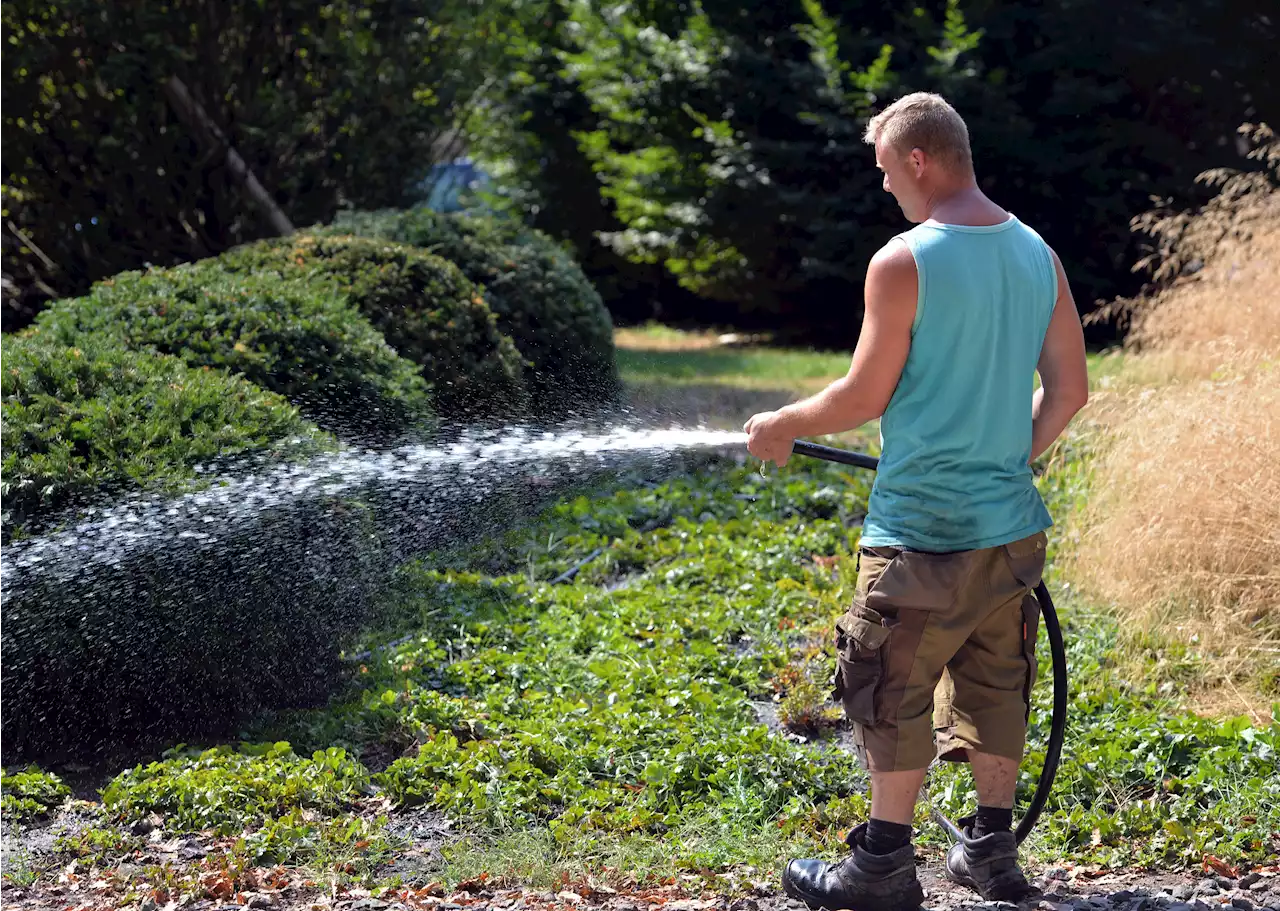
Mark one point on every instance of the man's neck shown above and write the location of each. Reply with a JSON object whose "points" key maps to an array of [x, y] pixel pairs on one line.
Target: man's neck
{"points": [[964, 204]]}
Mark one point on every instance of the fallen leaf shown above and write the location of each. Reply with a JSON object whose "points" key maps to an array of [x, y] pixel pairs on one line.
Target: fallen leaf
{"points": [[216, 884], [1219, 866], [474, 885]]}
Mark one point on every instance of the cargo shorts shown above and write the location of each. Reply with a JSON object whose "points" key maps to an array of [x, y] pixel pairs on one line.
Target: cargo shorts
{"points": [[936, 654]]}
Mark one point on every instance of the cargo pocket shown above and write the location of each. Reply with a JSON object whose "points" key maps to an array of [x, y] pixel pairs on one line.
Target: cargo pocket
{"points": [[1025, 558], [860, 638]]}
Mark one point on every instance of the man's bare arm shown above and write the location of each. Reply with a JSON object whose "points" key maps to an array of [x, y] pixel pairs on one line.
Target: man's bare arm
{"points": [[864, 392], [1064, 372]]}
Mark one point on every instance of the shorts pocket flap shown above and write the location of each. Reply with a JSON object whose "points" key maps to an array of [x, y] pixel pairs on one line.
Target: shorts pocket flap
{"points": [[1026, 559], [920, 581], [869, 636]]}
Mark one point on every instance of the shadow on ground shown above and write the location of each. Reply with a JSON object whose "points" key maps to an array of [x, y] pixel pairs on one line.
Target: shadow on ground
{"points": [[717, 405]]}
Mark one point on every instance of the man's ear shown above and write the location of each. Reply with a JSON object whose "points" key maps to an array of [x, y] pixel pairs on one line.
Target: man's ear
{"points": [[917, 159]]}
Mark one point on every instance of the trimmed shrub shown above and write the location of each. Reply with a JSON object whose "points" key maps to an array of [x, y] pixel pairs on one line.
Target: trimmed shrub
{"points": [[541, 297], [302, 340], [162, 617], [79, 422], [423, 227], [425, 307], [123, 633]]}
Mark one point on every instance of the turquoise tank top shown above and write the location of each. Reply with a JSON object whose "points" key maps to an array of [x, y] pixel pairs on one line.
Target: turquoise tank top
{"points": [[956, 436]]}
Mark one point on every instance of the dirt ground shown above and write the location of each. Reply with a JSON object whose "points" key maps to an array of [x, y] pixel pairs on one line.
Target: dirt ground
{"points": [[203, 883]]}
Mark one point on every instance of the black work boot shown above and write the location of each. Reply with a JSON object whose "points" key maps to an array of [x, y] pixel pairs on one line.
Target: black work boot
{"points": [[988, 865], [861, 881]]}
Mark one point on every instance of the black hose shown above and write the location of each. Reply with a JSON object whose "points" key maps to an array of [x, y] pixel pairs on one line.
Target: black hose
{"points": [[1057, 652], [831, 454]]}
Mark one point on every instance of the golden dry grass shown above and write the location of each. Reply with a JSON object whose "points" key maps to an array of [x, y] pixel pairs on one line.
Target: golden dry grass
{"points": [[1181, 533], [1224, 320], [1184, 514]]}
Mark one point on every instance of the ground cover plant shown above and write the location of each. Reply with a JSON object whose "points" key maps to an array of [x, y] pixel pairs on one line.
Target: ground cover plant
{"points": [[627, 719], [29, 793]]}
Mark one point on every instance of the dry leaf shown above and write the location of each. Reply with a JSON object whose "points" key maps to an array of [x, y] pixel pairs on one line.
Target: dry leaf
{"points": [[474, 885], [1219, 866]]}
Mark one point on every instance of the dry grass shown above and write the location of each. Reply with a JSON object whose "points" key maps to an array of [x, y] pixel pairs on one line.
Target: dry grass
{"points": [[1224, 320], [1182, 530], [1184, 515]]}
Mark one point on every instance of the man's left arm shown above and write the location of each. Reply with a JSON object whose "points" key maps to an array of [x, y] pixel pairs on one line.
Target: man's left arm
{"points": [[864, 392]]}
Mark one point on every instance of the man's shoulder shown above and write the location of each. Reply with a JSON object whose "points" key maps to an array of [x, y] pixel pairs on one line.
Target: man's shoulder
{"points": [[895, 258], [893, 268], [893, 285]]}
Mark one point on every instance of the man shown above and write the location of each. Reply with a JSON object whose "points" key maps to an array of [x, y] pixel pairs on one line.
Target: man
{"points": [[960, 313]]}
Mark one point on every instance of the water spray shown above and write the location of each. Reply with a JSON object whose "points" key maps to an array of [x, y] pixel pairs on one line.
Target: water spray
{"points": [[1058, 722]]}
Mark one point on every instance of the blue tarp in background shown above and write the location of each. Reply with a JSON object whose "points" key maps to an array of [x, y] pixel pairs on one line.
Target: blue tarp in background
{"points": [[445, 183]]}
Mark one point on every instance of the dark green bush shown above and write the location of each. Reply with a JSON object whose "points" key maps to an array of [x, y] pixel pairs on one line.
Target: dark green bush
{"points": [[300, 339], [84, 421], [167, 615], [425, 307], [541, 297], [423, 227], [125, 635]]}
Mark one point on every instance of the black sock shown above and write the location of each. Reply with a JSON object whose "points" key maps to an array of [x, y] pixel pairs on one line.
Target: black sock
{"points": [[886, 837], [992, 819]]}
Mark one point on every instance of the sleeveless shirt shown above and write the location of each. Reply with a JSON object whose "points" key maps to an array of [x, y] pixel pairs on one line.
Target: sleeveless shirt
{"points": [[956, 436]]}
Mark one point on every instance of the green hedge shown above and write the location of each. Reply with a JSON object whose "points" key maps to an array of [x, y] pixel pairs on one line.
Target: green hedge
{"points": [[542, 298], [186, 633], [174, 621], [79, 422], [425, 307], [300, 339]]}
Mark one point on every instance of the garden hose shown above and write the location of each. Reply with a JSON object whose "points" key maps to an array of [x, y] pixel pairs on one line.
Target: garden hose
{"points": [[1057, 651]]}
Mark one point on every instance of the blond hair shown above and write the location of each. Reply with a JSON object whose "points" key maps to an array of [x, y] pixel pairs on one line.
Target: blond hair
{"points": [[925, 121]]}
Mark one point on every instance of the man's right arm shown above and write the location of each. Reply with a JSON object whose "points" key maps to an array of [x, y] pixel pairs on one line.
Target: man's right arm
{"points": [[1064, 372]]}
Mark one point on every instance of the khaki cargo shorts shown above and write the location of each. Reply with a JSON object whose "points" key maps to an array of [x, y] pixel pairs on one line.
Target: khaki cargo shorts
{"points": [[936, 655]]}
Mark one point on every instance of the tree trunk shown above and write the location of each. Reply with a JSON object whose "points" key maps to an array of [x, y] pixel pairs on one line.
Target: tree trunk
{"points": [[194, 116]]}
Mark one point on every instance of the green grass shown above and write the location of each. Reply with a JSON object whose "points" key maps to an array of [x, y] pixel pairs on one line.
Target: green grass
{"points": [[657, 354], [745, 367]]}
